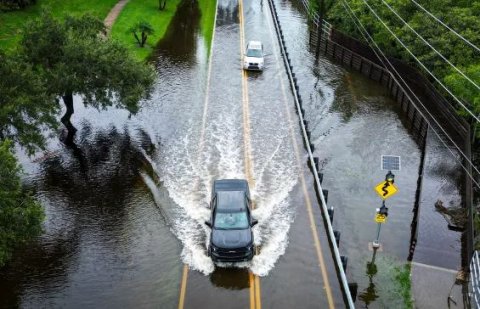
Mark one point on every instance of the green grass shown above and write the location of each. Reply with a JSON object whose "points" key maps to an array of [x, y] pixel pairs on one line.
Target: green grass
{"points": [[11, 23], [404, 284], [386, 284], [135, 10], [146, 10], [208, 8]]}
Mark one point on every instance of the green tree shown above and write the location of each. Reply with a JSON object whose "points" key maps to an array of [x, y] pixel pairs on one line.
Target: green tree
{"points": [[20, 215], [75, 57], [459, 15], [7, 5], [145, 30], [26, 110]]}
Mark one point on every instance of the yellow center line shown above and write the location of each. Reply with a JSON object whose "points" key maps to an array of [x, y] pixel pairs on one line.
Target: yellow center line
{"points": [[255, 297], [251, 278], [313, 226], [183, 285], [183, 288]]}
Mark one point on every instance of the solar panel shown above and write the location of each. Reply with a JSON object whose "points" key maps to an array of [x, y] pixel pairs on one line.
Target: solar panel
{"points": [[390, 163]]}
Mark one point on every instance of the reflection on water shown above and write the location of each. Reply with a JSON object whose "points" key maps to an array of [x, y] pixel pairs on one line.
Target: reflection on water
{"points": [[369, 295], [106, 161], [230, 278], [180, 41], [85, 190], [227, 13], [45, 262]]}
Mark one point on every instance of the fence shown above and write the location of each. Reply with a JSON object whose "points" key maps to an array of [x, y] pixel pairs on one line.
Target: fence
{"points": [[474, 282], [421, 103], [349, 289]]}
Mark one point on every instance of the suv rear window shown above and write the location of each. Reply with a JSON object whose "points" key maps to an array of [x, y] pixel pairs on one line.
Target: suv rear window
{"points": [[231, 220], [256, 53]]}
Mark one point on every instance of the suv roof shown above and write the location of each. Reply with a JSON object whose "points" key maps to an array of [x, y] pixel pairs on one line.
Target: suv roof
{"points": [[254, 45], [231, 200], [230, 185]]}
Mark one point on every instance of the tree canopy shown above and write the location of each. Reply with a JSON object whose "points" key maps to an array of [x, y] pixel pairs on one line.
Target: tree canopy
{"points": [[75, 57], [56, 59], [25, 106], [459, 15], [20, 215]]}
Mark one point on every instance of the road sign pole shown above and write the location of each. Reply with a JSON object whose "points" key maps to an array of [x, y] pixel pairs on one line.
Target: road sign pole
{"points": [[376, 243], [385, 190]]}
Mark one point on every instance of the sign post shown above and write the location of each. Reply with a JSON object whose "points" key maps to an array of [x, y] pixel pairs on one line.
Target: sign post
{"points": [[385, 189], [380, 218]]}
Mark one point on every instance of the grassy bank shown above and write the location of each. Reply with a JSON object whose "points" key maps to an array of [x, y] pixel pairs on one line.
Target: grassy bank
{"points": [[12, 22], [207, 22], [143, 10], [134, 11]]}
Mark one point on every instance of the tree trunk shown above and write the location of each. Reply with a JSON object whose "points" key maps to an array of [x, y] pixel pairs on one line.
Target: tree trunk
{"points": [[136, 38], [144, 39], [68, 100], [162, 4]]}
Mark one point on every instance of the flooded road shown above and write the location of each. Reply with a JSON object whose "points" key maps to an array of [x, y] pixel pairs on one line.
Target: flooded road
{"points": [[125, 209]]}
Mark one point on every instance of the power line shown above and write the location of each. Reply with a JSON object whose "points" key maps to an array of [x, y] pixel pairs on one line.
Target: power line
{"points": [[350, 12], [429, 45], [446, 26], [421, 63]]}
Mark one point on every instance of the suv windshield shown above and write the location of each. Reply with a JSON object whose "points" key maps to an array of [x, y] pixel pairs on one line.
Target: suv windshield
{"points": [[231, 220], [255, 53]]}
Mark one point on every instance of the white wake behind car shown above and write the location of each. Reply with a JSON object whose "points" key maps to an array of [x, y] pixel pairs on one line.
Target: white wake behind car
{"points": [[253, 58]]}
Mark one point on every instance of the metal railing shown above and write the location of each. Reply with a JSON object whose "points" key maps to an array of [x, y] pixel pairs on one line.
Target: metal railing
{"points": [[474, 282], [294, 87]]}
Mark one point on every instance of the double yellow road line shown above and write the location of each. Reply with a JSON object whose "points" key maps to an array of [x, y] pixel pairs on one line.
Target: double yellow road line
{"points": [[255, 296], [254, 281]]}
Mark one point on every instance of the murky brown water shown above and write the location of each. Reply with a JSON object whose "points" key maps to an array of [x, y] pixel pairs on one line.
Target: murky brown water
{"points": [[125, 208]]}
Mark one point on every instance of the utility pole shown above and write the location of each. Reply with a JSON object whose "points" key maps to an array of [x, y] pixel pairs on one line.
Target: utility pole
{"points": [[319, 30]]}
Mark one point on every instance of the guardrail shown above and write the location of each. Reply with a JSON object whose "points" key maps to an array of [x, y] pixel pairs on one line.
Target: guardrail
{"points": [[340, 263], [474, 282]]}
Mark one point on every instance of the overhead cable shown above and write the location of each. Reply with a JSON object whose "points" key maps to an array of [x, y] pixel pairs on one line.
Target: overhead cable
{"points": [[429, 45], [360, 27], [446, 26], [421, 63]]}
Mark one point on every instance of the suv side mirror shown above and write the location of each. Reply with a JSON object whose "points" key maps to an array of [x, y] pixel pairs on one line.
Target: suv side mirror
{"points": [[208, 223], [254, 222]]}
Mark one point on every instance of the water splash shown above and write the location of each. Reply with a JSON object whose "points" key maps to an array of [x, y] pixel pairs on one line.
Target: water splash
{"points": [[187, 171]]}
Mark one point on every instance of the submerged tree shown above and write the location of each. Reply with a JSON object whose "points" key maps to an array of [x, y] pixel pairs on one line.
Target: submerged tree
{"points": [[76, 58], [145, 30]]}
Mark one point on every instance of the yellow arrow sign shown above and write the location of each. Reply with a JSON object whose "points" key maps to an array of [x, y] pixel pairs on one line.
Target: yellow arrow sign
{"points": [[386, 189], [379, 218]]}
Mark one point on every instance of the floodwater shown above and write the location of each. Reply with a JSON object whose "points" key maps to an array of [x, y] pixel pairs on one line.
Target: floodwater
{"points": [[125, 208]]}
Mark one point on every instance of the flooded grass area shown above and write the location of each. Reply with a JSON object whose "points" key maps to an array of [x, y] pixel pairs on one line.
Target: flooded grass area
{"points": [[136, 11]]}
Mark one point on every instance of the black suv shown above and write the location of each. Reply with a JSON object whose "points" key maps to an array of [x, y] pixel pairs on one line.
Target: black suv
{"points": [[231, 239]]}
